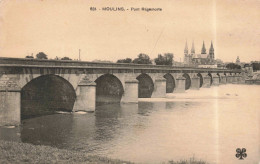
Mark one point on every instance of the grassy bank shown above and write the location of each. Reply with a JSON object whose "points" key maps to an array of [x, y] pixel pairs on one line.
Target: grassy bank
{"points": [[14, 152], [190, 161]]}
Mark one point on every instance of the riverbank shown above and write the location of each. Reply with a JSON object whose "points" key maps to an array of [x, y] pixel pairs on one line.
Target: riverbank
{"points": [[14, 152]]}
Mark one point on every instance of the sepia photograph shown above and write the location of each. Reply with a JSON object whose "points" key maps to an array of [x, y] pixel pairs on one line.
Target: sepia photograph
{"points": [[130, 81]]}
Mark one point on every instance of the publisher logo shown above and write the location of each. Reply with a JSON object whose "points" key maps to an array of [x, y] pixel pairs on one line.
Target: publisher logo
{"points": [[241, 153]]}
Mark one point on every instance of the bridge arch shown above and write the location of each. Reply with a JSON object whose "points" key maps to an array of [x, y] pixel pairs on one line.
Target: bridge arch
{"points": [[45, 95], [145, 86], [211, 78], [170, 83], [109, 89], [201, 79], [187, 81]]}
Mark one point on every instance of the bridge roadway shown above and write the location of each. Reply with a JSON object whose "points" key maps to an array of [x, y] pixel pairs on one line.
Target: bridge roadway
{"points": [[30, 87]]}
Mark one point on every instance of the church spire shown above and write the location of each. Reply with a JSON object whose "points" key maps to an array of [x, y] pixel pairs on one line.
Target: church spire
{"points": [[203, 50], [192, 48], [186, 51], [211, 46], [211, 51]]}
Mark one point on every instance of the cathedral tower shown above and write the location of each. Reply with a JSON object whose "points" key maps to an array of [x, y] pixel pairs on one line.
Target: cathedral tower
{"points": [[186, 51], [186, 54], [192, 49], [211, 52], [203, 50]]}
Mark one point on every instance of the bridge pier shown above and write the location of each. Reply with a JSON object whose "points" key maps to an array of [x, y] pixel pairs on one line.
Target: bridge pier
{"points": [[195, 83], [234, 81], [10, 102], [223, 79], [86, 96], [159, 88], [239, 79], [206, 81], [215, 80], [131, 91], [180, 85], [229, 79]]}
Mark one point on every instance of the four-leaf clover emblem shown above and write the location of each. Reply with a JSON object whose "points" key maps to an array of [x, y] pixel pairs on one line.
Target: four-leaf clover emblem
{"points": [[241, 153]]}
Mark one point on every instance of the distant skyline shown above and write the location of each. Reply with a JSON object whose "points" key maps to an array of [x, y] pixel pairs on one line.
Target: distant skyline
{"points": [[62, 27]]}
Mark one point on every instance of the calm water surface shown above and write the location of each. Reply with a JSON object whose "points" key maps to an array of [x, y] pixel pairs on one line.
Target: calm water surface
{"points": [[208, 124]]}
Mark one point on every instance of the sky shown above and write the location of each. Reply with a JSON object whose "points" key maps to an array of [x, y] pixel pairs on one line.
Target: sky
{"points": [[62, 27]]}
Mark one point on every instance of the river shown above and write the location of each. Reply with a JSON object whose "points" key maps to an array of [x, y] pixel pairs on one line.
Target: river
{"points": [[208, 124]]}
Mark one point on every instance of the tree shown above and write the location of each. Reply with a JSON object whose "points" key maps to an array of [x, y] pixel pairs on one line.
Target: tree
{"points": [[29, 57], [233, 66], [256, 66], [159, 60], [41, 55], [127, 60], [142, 59], [167, 59], [246, 65], [65, 58]]}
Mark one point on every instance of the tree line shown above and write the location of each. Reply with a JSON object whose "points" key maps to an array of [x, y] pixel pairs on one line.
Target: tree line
{"points": [[42, 55], [233, 66], [165, 59], [254, 65]]}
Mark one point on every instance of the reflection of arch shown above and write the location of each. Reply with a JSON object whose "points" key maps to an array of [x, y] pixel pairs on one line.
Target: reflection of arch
{"points": [[145, 86], [45, 95], [170, 83], [144, 108], [109, 89], [211, 79], [187, 81], [201, 79]]}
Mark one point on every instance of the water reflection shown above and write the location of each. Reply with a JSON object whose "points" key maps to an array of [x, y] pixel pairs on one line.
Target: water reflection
{"points": [[10, 134], [47, 130], [144, 108], [107, 121], [209, 125]]}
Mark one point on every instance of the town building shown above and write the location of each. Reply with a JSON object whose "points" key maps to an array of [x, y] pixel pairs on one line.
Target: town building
{"points": [[237, 60]]}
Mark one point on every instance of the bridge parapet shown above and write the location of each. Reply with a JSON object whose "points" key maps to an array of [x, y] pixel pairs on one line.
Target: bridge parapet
{"points": [[125, 67]]}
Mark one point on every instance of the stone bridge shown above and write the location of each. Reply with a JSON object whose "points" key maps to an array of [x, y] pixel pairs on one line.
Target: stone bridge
{"points": [[30, 87]]}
